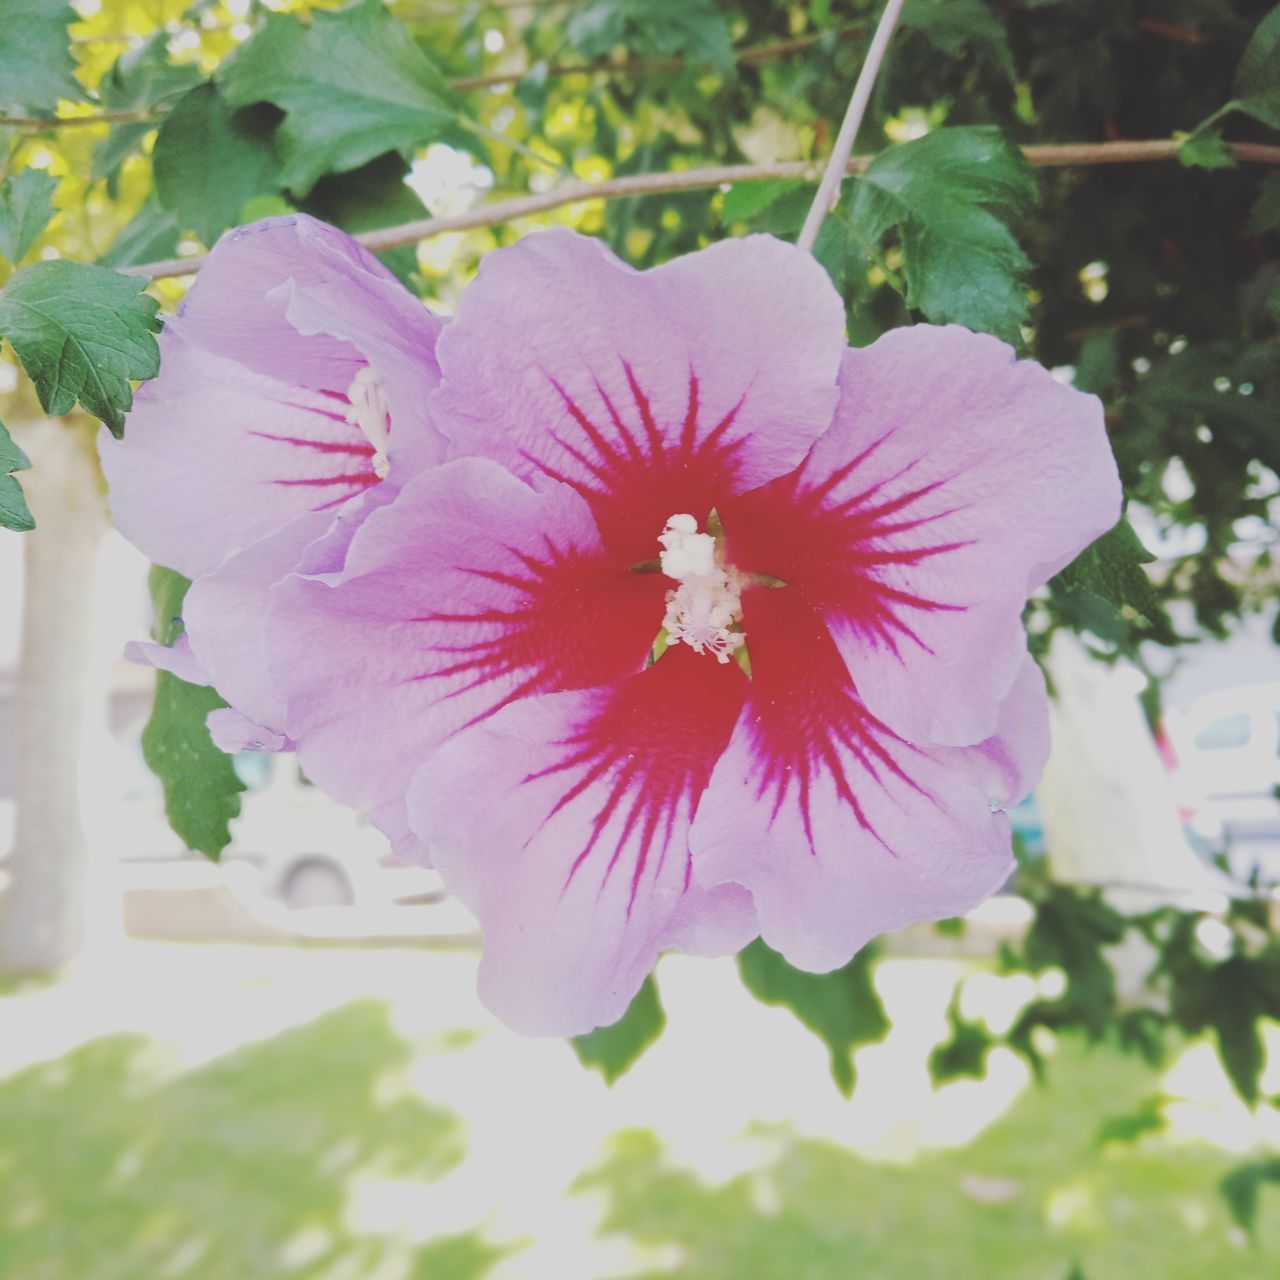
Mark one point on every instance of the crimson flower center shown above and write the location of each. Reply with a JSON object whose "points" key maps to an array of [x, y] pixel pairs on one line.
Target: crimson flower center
{"points": [[705, 610]]}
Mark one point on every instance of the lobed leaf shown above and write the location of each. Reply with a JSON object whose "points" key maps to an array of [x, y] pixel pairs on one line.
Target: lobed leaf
{"points": [[14, 512], [210, 161], [26, 205], [962, 263], [613, 1050], [201, 789], [36, 65], [842, 1008], [82, 332], [352, 83]]}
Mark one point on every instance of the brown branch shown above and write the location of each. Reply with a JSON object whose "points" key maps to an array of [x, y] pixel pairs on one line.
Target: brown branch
{"points": [[643, 184], [747, 56], [38, 124]]}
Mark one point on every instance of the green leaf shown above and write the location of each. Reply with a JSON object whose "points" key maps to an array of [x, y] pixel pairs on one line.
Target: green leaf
{"points": [[694, 29], [841, 1008], [373, 196], [1111, 566], [1243, 1185], [14, 512], [26, 205], [82, 332], [1206, 151], [963, 1054], [744, 200], [151, 233], [1071, 931], [952, 26], [612, 1050], [35, 56], [1107, 578], [1148, 1117], [1257, 85], [201, 789], [962, 262], [210, 161], [142, 79], [1265, 215], [352, 83]]}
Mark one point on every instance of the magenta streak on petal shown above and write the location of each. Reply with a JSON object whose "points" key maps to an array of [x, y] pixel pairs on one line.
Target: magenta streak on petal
{"points": [[321, 446], [635, 475], [359, 479], [644, 753], [521, 628], [831, 550], [807, 720]]}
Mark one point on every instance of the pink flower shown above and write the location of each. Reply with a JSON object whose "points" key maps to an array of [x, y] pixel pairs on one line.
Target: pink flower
{"points": [[694, 449], [290, 404]]}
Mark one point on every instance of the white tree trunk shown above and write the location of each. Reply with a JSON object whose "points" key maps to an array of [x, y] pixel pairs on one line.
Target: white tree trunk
{"points": [[43, 912]]}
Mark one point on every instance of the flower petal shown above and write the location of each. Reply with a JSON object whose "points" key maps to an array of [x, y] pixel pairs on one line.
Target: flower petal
{"points": [[650, 392], [250, 422], [953, 481], [225, 611], [469, 590], [177, 658], [839, 828], [236, 308], [232, 732], [581, 874], [216, 457]]}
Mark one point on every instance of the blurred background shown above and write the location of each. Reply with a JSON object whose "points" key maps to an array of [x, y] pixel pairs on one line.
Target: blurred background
{"points": [[275, 1064]]}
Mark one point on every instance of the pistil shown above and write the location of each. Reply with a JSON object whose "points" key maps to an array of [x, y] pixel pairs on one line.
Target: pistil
{"points": [[705, 609]]}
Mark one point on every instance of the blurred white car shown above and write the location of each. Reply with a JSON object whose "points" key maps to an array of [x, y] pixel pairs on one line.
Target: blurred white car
{"points": [[1224, 757], [291, 844]]}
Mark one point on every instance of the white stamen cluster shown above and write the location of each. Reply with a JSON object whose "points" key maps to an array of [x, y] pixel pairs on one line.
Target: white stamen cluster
{"points": [[369, 412], [703, 608]]}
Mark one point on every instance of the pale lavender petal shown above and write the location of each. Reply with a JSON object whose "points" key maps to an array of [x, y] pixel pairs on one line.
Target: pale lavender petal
{"points": [[232, 732], [225, 610], [176, 658], [236, 308], [953, 481], [469, 590], [650, 392], [294, 360], [216, 457], [562, 823], [839, 828]]}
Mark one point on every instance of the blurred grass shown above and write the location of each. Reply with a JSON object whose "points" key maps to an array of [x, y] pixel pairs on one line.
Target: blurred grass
{"points": [[1033, 1198], [116, 1166]]}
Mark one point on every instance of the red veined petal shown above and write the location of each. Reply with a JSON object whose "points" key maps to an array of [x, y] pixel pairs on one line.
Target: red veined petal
{"points": [[838, 827], [469, 591], [952, 482], [563, 824], [652, 392]]}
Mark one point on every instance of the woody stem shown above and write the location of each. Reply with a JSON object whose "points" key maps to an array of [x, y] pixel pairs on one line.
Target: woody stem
{"points": [[828, 194]]}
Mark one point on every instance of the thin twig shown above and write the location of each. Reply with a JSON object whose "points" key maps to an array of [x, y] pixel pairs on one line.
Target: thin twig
{"points": [[828, 192], [139, 115], [748, 56], [1058, 155]]}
